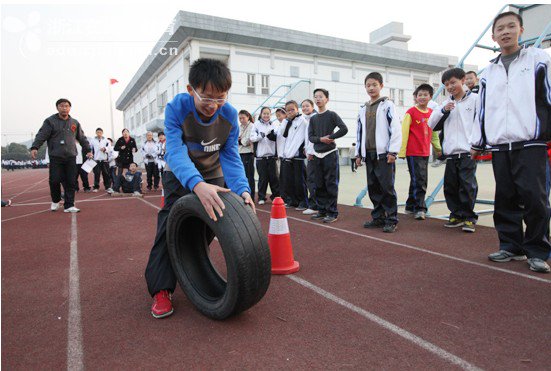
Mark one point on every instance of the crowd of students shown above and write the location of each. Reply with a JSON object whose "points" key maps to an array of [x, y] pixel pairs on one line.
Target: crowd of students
{"points": [[28, 164], [113, 159]]}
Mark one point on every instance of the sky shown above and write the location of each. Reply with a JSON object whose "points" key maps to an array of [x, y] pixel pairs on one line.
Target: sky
{"points": [[50, 50]]}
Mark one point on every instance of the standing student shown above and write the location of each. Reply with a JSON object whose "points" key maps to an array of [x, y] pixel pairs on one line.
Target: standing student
{"points": [[352, 156], [264, 134], [471, 80], [515, 123], [281, 116], [83, 174], [202, 115], [417, 137], [308, 112], [246, 149], [325, 156], [126, 147], [295, 135], [161, 151], [112, 158], [62, 131], [150, 152], [378, 142], [455, 118], [100, 148]]}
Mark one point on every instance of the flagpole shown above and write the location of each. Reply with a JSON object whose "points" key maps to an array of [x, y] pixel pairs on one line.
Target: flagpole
{"points": [[111, 111]]}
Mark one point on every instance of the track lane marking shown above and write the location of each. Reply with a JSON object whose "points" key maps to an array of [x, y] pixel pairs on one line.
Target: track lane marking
{"points": [[419, 249], [445, 355], [75, 353]]}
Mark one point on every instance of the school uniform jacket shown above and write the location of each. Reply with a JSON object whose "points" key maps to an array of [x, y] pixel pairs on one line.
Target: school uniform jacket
{"points": [[149, 148], [297, 135], [456, 125], [388, 130], [515, 107], [97, 143], [280, 139], [261, 133]]}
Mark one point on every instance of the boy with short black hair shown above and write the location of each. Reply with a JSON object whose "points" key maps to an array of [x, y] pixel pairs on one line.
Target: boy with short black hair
{"points": [[202, 156], [471, 80], [378, 142], [100, 149], [296, 135], [325, 156], [515, 123], [455, 117], [417, 137]]}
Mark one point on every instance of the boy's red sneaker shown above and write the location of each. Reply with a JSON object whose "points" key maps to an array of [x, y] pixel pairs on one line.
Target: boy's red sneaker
{"points": [[162, 304]]}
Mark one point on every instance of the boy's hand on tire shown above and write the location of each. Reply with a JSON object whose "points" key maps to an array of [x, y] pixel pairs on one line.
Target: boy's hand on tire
{"points": [[208, 195], [248, 200]]}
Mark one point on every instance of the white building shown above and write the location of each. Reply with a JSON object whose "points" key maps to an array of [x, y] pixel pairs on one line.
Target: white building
{"points": [[271, 65]]}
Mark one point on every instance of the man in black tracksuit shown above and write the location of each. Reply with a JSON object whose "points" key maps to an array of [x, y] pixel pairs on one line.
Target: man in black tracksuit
{"points": [[62, 131], [326, 156]]}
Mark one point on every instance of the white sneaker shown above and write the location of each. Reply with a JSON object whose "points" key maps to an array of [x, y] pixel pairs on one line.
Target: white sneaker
{"points": [[95, 190], [54, 206], [71, 210], [261, 202], [136, 194], [110, 190], [309, 212]]}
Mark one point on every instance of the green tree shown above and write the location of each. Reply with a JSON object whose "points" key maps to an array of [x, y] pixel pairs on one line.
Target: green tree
{"points": [[16, 151]]}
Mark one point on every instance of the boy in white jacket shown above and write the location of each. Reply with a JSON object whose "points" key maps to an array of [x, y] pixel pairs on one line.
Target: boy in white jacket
{"points": [[378, 142], [296, 136], [455, 118], [150, 151], [515, 123]]}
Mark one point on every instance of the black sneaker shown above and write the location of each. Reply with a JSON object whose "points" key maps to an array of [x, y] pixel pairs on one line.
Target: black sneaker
{"points": [[389, 228], [468, 227], [318, 216], [329, 219], [454, 223], [375, 223]]}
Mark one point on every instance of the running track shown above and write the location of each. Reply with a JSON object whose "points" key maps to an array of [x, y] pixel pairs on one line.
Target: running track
{"points": [[74, 296]]}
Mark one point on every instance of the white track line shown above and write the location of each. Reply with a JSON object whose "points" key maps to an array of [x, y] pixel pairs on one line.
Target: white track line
{"points": [[534, 278], [150, 204], [447, 356], [75, 353], [24, 216], [29, 188]]}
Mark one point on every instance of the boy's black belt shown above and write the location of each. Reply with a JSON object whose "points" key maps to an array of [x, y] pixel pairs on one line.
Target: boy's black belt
{"points": [[455, 156], [517, 145], [266, 157]]}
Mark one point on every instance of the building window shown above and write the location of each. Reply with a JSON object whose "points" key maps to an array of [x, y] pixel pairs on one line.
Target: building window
{"points": [[400, 97], [138, 119], [132, 122], [144, 115], [335, 76], [152, 109], [250, 84], [295, 71], [173, 92], [162, 102], [392, 94], [177, 86], [265, 84]]}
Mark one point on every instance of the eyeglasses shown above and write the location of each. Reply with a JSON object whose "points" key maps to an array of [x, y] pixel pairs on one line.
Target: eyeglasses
{"points": [[219, 102]]}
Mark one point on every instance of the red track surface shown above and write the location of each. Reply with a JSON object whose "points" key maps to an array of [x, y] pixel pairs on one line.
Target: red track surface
{"points": [[427, 281]]}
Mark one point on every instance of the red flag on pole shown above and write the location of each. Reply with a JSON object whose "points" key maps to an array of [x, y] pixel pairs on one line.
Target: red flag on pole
{"points": [[114, 81]]}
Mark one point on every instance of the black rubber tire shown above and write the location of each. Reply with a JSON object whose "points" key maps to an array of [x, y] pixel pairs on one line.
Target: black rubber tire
{"points": [[245, 249]]}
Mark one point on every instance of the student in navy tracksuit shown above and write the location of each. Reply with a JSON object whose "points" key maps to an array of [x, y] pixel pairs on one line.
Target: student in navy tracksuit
{"points": [[515, 124], [201, 154]]}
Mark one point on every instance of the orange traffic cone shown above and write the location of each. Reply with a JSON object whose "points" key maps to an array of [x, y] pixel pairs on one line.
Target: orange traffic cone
{"points": [[279, 240], [162, 198]]}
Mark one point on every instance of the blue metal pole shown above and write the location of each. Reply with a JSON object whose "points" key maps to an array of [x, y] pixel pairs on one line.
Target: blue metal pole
{"points": [[432, 196], [361, 195]]}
